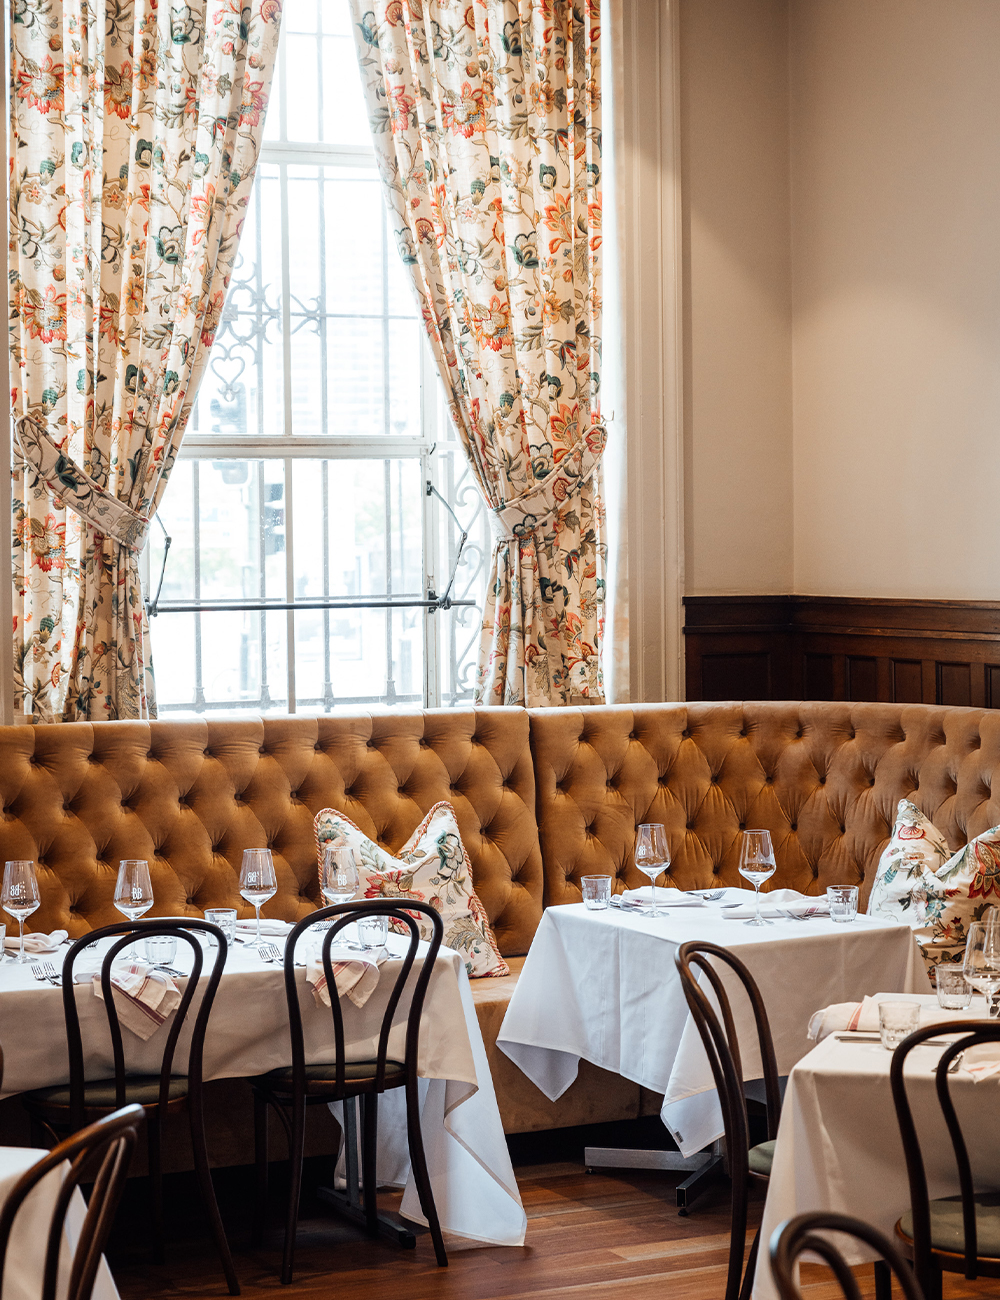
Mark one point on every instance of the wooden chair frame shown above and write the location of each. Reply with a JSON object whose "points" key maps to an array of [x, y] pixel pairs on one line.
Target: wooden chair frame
{"points": [[111, 1141], [79, 1113], [722, 1049], [794, 1237], [929, 1262], [343, 1089]]}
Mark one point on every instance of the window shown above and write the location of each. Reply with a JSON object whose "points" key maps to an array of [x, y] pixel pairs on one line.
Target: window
{"points": [[319, 497]]}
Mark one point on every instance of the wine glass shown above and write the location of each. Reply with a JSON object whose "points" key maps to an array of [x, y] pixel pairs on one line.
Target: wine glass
{"points": [[652, 857], [20, 896], [133, 893], [258, 882], [982, 961], [341, 878], [756, 865]]}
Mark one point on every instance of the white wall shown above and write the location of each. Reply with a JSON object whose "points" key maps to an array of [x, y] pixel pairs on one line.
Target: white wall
{"points": [[865, 400], [896, 272], [735, 195]]}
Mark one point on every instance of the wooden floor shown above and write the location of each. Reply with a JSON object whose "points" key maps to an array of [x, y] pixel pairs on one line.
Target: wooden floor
{"points": [[602, 1235]]}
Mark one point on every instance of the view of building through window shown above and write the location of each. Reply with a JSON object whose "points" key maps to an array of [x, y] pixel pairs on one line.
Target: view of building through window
{"points": [[304, 476]]}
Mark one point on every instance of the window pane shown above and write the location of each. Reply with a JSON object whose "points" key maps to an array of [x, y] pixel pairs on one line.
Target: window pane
{"points": [[242, 390]]}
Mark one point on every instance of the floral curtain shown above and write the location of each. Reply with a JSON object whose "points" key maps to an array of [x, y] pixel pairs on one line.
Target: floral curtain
{"points": [[486, 121], [135, 128]]}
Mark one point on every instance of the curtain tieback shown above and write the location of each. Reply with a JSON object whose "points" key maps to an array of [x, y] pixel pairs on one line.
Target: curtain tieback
{"points": [[537, 507], [82, 494]]}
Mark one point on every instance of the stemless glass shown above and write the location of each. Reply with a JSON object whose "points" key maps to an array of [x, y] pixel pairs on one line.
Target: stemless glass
{"points": [[756, 865], [982, 962], [20, 896], [652, 857], [133, 893], [258, 883]]}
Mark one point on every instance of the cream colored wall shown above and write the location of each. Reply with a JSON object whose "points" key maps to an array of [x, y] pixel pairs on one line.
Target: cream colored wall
{"points": [[896, 272], [737, 296]]}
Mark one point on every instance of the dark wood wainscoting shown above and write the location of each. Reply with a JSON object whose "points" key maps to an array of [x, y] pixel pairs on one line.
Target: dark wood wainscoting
{"points": [[841, 648]]}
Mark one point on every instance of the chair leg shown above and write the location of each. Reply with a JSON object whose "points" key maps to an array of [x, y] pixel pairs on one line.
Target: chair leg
{"points": [[883, 1280], [418, 1163], [751, 1267], [200, 1149], [296, 1152], [154, 1135], [369, 1160], [737, 1237], [260, 1118]]}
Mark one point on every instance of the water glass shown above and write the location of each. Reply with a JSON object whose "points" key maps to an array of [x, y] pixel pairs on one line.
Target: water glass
{"points": [[596, 892], [843, 900], [373, 931], [897, 1020], [953, 991], [20, 896], [161, 949], [225, 919]]}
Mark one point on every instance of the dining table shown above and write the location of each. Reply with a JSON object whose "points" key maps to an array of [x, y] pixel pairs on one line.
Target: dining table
{"points": [[603, 986], [25, 1261], [475, 1191], [838, 1145]]}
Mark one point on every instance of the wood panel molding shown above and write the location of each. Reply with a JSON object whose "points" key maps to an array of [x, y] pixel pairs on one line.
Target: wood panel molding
{"points": [[843, 648]]}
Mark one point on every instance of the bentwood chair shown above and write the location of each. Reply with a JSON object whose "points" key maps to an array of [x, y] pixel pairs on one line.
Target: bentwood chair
{"points": [[721, 1044], [67, 1107], [108, 1144], [952, 1234], [291, 1089], [795, 1237]]}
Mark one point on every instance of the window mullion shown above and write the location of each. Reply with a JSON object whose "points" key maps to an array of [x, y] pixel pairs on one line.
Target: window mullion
{"points": [[289, 587]]}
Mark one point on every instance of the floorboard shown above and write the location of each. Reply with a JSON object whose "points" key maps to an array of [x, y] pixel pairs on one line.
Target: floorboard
{"points": [[599, 1235]]}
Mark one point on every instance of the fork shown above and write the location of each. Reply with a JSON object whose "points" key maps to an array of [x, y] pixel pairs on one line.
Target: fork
{"points": [[268, 952], [712, 895], [44, 970]]}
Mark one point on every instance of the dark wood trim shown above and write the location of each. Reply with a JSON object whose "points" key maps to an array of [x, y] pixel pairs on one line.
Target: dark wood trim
{"points": [[843, 648]]}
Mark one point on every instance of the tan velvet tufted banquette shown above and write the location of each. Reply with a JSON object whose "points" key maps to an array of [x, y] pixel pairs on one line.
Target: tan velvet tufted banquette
{"points": [[543, 798]]}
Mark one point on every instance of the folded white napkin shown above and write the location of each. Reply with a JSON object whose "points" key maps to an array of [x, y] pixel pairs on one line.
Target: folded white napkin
{"points": [[778, 903], [247, 929], [144, 997], [862, 1017], [982, 1061], [665, 897], [356, 974], [36, 942]]}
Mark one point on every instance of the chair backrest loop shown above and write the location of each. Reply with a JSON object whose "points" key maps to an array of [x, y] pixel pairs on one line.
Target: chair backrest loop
{"points": [[976, 1031], [405, 914], [133, 931], [793, 1238], [110, 1141]]}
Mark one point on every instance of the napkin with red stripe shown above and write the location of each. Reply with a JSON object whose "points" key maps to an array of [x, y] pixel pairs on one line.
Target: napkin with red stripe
{"points": [[144, 997], [356, 975]]}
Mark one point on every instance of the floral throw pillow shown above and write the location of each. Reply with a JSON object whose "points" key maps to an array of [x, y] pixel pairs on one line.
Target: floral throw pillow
{"points": [[937, 893], [907, 869], [432, 867]]}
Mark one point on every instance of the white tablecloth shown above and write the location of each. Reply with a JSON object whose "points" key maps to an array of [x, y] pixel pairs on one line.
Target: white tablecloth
{"points": [[26, 1251], [838, 1140], [603, 986], [474, 1186]]}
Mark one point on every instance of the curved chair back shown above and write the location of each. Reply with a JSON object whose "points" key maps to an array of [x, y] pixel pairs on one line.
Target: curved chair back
{"points": [[129, 931], [976, 1031], [722, 1047], [722, 1043], [111, 1141], [794, 1237], [342, 914]]}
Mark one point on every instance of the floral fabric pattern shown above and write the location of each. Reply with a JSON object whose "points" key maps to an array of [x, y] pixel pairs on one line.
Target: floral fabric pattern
{"points": [[126, 209], [432, 867], [939, 894], [487, 128]]}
